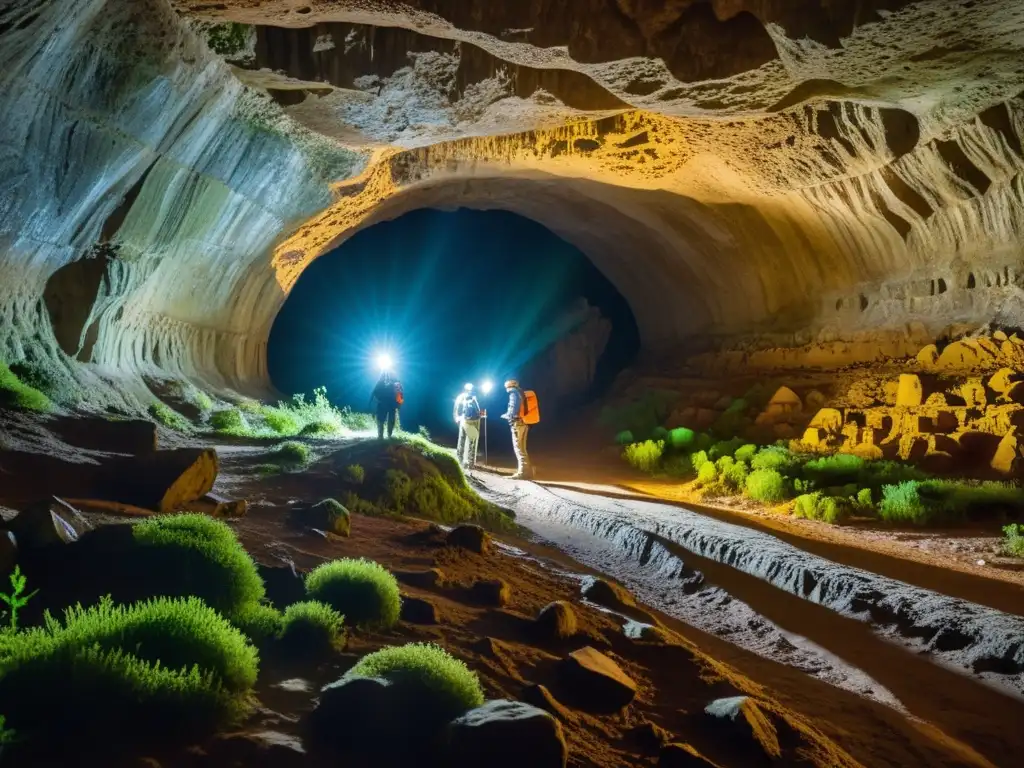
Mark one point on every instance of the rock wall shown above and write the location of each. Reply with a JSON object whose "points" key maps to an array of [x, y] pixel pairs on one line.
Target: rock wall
{"points": [[801, 171]]}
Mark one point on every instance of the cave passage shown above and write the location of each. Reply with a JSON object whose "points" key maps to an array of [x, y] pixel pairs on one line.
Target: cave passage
{"points": [[453, 297]]}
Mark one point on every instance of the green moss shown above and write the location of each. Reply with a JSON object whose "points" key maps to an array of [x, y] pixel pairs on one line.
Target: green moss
{"points": [[698, 460], [49, 378], [291, 453], [16, 394], [734, 475], [442, 686], [189, 554], [902, 503], [141, 666], [864, 497], [644, 456], [362, 591], [707, 475], [311, 627], [816, 506], [745, 452], [229, 421], [229, 39], [835, 470], [625, 437], [766, 485], [170, 418], [280, 420], [260, 622], [677, 465], [777, 458], [1013, 540], [355, 473], [682, 439]]}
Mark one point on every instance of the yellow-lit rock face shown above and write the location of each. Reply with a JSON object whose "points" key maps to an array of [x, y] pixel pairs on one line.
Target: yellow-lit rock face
{"points": [[841, 186]]}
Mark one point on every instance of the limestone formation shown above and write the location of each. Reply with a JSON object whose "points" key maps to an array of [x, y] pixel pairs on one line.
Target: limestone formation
{"points": [[909, 393], [834, 184]]}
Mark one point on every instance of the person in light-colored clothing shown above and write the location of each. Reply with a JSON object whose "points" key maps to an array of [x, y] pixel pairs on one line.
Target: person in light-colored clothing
{"points": [[520, 430], [467, 416]]}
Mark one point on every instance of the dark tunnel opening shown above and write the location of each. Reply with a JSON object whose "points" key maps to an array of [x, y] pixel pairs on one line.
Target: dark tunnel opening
{"points": [[454, 297]]}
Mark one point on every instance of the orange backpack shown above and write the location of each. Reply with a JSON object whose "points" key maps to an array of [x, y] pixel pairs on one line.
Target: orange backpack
{"points": [[529, 409]]}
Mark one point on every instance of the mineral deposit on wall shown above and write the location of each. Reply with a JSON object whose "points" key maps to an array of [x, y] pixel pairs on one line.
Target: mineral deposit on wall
{"points": [[800, 172]]}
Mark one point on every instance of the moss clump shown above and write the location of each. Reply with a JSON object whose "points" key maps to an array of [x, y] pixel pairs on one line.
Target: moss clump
{"points": [[441, 686], [260, 622], [777, 458], [1013, 540], [188, 554], [170, 418], [707, 475], [355, 473], [746, 453], [49, 378], [362, 591], [230, 421], [624, 438], [140, 666], [644, 456], [291, 453], [817, 506], [14, 393], [280, 420], [766, 485], [311, 627]]}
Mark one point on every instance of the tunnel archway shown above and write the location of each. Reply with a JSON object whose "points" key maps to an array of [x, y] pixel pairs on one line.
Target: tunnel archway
{"points": [[454, 296]]}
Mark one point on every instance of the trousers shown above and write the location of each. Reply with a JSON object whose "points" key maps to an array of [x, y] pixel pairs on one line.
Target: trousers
{"points": [[520, 432], [386, 416], [469, 437]]}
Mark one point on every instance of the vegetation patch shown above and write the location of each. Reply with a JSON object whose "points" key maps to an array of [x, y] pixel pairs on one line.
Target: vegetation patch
{"points": [[440, 686], [362, 591], [644, 456], [49, 378], [260, 622], [191, 554], [766, 485], [170, 418], [140, 666], [311, 627], [291, 453], [1013, 540], [409, 475], [14, 393]]}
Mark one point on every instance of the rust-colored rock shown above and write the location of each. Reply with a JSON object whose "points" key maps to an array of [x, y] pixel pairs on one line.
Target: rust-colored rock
{"points": [[163, 480], [599, 681], [1007, 453]]}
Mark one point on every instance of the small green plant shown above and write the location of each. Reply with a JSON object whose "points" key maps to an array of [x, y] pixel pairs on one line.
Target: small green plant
{"points": [[677, 465], [817, 506], [766, 485], [355, 473], [170, 418], [734, 475], [707, 475], [1013, 539], [423, 432], [17, 599], [681, 439], [745, 452], [49, 378], [835, 470], [142, 666], [362, 591], [16, 394], [864, 498], [775, 457], [259, 622], [724, 448], [644, 456], [190, 554], [698, 460], [280, 420], [659, 435], [318, 429], [624, 438], [441, 686], [230, 421], [311, 627], [902, 503], [291, 453]]}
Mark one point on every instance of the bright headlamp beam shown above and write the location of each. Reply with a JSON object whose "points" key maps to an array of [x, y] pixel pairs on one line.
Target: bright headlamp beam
{"points": [[487, 386], [384, 361]]}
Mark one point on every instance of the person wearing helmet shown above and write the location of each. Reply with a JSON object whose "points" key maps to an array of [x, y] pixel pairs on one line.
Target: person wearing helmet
{"points": [[519, 429], [467, 416]]}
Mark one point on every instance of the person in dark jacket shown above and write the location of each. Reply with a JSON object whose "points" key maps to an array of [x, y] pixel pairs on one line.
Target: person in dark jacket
{"points": [[519, 429], [467, 416], [387, 393]]}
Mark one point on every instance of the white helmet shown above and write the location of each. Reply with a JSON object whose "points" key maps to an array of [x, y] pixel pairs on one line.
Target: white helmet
{"points": [[468, 387]]}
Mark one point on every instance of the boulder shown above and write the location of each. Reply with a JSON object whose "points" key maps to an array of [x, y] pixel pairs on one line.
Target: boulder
{"points": [[284, 584], [608, 594], [1004, 461], [491, 592], [828, 419], [815, 400], [258, 749], [1002, 382], [46, 522], [423, 579], [909, 391], [677, 755], [132, 436], [600, 683], [540, 696], [8, 553], [356, 716], [649, 736], [327, 515], [654, 634], [163, 480], [785, 400], [928, 356], [506, 734], [746, 725], [867, 451], [815, 437], [469, 537], [556, 621], [416, 610], [973, 393]]}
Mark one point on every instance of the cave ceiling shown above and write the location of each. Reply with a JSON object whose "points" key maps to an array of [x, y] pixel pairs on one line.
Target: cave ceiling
{"points": [[783, 168]]}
